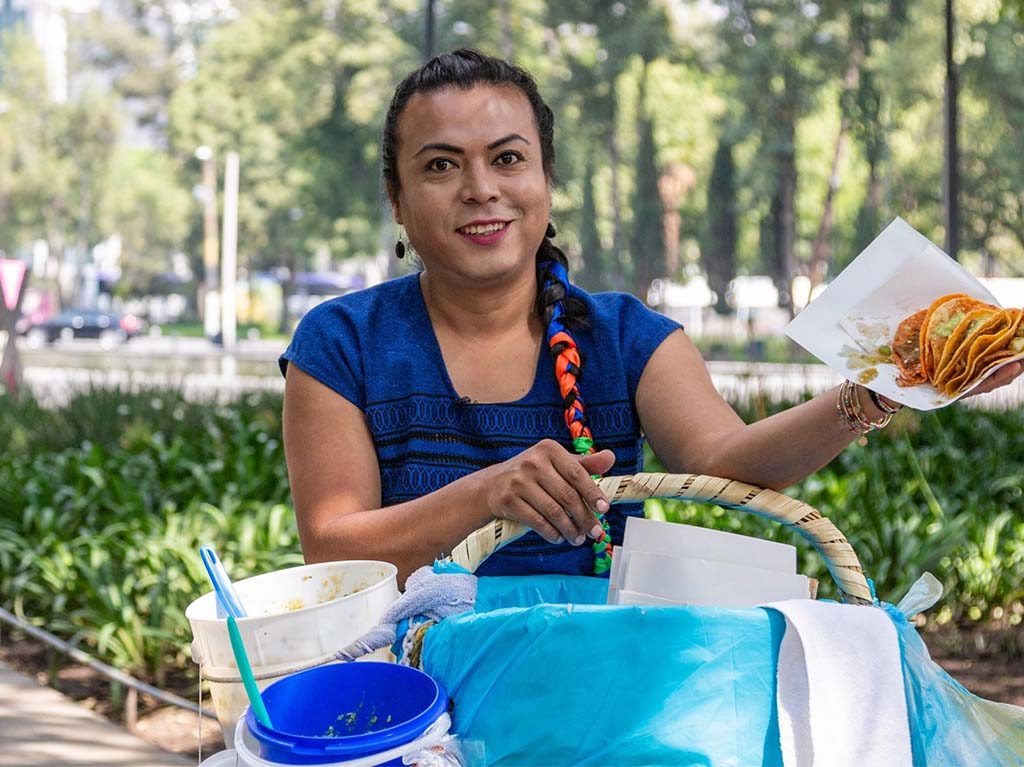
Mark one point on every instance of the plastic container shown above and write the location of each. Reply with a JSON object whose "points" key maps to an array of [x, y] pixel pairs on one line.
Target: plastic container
{"points": [[348, 713], [433, 745], [299, 617], [227, 758]]}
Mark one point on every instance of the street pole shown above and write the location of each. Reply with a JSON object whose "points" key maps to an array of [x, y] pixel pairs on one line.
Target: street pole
{"points": [[229, 254], [428, 44], [13, 283], [951, 187], [209, 304]]}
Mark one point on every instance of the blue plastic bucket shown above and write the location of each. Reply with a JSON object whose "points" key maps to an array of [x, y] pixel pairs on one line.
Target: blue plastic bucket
{"points": [[346, 711]]}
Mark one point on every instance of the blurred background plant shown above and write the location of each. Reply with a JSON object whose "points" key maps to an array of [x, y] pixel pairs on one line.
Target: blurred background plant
{"points": [[104, 503], [696, 138]]}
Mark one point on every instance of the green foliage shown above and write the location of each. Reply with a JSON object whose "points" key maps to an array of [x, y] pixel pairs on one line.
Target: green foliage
{"points": [[792, 86], [647, 243], [104, 503], [938, 492], [719, 247]]}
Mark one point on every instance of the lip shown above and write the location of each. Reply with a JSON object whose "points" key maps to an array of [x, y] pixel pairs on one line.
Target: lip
{"points": [[486, 239]]}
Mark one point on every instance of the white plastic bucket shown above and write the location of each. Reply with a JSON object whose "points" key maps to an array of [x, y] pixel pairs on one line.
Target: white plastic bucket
{"points": [[298, 618], [246, 749]]}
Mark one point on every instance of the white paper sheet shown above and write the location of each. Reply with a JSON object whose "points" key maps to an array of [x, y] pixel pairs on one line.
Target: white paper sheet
{"points": [[899, 273]]}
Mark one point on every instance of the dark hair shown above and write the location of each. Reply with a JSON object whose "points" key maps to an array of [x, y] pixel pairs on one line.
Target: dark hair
{"points": [[466, 68], [559, 312]]}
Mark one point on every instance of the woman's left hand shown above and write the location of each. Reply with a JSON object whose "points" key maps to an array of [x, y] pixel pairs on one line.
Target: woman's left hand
{"points": [[1002, 377]]}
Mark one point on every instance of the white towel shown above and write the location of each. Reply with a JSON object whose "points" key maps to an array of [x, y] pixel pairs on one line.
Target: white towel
{"points": [[840, 687]]}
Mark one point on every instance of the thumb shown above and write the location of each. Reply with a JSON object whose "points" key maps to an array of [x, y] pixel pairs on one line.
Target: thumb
{"points": [[598, 463]]}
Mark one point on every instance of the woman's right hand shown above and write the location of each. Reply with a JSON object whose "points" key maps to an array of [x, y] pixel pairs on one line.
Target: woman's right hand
{"points": [[550, 490]]}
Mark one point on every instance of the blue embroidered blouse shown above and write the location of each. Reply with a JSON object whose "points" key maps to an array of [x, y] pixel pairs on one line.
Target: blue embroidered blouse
{"points": [[377, 349]]}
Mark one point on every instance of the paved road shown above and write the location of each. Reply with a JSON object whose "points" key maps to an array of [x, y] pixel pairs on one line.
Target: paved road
{"points": [[39, 727]]}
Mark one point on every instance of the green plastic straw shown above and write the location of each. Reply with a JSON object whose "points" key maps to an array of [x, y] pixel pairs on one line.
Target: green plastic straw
{"points": [[248, 680]]}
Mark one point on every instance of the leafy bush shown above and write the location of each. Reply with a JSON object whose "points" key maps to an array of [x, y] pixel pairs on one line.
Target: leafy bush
{"points": [[104, 503], [938, 491]]}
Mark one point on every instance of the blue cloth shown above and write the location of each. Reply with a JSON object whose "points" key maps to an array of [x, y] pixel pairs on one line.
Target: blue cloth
{"points": [[542, 672], [377, 349]]}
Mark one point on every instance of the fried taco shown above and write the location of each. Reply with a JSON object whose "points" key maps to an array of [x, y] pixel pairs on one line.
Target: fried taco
{"points": [[954, 342]]}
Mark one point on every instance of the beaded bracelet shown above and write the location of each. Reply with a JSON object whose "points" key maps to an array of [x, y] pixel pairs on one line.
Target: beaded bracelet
{"points": [[852, 414]]}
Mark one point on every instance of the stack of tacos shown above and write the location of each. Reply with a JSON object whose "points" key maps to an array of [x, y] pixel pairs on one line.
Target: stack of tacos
{"points": [[954, 342]]}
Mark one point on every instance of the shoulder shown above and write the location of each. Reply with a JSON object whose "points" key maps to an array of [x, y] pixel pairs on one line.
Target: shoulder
{"points": [[362, 306], [624, 330], [334, 338], [621, 310]]}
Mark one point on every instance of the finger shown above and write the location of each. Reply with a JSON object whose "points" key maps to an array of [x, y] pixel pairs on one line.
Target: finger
{"points": [[598, 463], [573, 472], [1001, 377], [557, 498], [527, 513]]}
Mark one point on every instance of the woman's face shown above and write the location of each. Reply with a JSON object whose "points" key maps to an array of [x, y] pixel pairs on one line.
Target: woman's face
{"points": [[473, 195]]}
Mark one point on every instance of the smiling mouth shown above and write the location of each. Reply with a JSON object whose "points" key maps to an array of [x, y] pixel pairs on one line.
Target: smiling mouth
{"points": [[482, 230]]}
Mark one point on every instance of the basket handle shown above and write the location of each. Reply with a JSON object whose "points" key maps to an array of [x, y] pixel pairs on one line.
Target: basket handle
{"points": [[835, 550]]}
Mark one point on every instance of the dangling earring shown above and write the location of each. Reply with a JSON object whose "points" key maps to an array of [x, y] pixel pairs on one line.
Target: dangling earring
{"points": [[399, 247], [550, 233]]}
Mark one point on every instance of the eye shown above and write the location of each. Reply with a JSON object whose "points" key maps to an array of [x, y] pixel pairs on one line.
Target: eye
{"points": [[440, 164], [508, 157]]}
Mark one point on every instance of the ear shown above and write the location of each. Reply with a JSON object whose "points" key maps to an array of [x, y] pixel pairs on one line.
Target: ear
{"points": [[396, 207]]}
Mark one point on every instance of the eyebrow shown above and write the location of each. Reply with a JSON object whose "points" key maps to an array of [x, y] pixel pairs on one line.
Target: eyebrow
{"points": [[459, 150]]}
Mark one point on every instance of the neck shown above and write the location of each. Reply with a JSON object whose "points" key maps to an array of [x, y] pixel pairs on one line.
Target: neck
{"points": [[482, 309]]}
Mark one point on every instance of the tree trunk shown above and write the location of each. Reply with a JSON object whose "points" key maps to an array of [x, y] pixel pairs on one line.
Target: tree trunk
{"points": [[614, 156], [718, 249], [785, 221], [647, 240], [821, 249], [10, 357], [593, 274]]}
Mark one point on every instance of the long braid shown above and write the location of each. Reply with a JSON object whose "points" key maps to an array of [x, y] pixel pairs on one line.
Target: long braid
{"points": [[561, 313]]}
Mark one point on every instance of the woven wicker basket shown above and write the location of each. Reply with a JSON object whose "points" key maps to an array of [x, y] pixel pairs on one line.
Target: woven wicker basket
{"points": [[837, 552]]}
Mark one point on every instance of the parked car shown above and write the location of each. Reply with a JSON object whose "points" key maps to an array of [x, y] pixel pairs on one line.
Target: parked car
{"points": [[109, 328]]}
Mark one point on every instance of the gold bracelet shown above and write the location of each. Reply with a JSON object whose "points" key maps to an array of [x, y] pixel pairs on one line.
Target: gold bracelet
{"points": [[852, 413]]}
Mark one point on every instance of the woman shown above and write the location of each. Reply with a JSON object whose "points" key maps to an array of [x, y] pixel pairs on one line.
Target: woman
{"points": [[417, 410]]}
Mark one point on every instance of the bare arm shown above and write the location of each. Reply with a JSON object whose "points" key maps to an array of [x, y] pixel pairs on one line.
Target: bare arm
{"points": [[335, 481], [691, 428]]}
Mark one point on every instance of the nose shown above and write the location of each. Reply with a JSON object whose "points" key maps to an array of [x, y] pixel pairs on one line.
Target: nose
{"points": [[479, 184]]}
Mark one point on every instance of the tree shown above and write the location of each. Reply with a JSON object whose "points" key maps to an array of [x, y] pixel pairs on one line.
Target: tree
{"points": [[150, 211], [719, 246], [780, 56], [992, 163], [308, 135], [55, 159], [590, 239], [647, 239]]}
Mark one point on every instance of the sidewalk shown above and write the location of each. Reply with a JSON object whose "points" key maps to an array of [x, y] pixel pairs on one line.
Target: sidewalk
{"points": [[39, 727]]}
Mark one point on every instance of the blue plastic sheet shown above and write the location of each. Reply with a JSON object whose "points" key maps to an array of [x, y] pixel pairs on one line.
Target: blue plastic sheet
{"points": [[543, 673]]}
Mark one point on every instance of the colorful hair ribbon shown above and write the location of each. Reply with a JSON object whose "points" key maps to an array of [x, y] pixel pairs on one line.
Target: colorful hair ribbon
{"points": [[567, 372]]}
